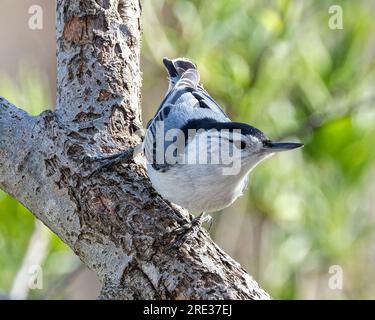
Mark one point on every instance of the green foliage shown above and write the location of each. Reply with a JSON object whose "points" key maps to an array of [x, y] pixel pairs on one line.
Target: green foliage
{"points": [[16, 226]]}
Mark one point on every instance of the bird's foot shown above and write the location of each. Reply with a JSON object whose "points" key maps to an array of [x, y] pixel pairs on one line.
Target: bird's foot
{"points": [[190, 230], [111, 160]]}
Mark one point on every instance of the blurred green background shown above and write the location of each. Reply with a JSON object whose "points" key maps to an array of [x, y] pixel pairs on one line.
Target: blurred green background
{"points": [[280, 67]]}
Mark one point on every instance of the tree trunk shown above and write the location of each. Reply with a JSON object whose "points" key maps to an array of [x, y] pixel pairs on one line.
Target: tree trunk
{"points": [[113, 220]]}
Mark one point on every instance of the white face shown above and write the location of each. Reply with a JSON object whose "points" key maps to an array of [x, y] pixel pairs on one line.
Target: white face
{"points": [[251, 150], [231, 150], [247, 144]]}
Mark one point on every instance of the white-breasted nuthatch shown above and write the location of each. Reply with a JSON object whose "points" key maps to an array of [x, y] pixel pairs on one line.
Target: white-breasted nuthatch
{"points": [[190, 145]]}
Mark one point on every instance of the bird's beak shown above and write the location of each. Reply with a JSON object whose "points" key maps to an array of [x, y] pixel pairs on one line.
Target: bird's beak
{"points": [[271, 146]]}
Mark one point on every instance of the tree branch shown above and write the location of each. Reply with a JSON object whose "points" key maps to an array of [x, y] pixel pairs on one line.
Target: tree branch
{"points": [[113, 220]]}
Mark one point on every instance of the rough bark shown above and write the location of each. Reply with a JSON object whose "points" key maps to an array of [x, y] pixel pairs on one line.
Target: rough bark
{"points": [[113, 220]]}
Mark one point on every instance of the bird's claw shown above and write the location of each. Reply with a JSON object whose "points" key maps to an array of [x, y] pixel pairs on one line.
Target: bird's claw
{"points": [[124, 157], [189, 230]]}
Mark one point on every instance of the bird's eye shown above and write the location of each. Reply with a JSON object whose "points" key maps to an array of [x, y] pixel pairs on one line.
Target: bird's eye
{"points": [[240, 144]]}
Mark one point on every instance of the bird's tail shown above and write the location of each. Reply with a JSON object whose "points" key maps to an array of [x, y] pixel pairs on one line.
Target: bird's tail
{"points": [[176, 68]]}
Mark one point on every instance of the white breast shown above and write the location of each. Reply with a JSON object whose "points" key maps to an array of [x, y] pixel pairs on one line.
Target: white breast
{"points": [[198, 188]]}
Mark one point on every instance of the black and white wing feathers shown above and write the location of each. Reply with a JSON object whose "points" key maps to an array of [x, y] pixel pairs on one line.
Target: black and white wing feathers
{"points": [[186, 101]]}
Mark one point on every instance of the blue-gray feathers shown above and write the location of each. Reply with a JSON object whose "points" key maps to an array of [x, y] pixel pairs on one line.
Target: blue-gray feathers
{"points": [[185, 102]]}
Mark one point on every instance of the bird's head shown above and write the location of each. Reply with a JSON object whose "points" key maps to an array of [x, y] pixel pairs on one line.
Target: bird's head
{"points": [[254, 146], [235, 145]]}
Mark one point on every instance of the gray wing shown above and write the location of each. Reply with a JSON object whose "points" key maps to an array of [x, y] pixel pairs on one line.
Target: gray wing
{"points": [[186, 101]]}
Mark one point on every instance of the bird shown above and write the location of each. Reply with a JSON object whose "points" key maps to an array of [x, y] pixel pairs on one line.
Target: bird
{"points": [[190, 125]]}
